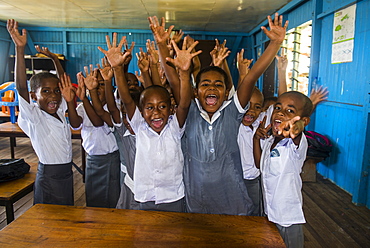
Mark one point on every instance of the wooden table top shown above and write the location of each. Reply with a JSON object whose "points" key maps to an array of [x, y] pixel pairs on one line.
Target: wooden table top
{"points": [[10, 189], [8, 129], [67, 226]]}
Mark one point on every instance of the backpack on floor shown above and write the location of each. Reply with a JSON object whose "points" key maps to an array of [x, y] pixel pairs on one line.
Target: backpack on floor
{"points": [[11, 169], [318, 145]]}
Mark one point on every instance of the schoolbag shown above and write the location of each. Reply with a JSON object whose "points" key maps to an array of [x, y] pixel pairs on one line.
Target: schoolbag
{"points": [[11, 169], [318, 145]]}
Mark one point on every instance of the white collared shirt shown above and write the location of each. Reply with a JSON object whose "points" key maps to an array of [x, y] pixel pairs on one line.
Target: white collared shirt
{"points": [[159, 161], [50, 137], [95, 140], [281, 181], [245, 142]]}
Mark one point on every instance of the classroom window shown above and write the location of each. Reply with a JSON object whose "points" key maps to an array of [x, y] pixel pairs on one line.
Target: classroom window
{"points": [[297, 47]]}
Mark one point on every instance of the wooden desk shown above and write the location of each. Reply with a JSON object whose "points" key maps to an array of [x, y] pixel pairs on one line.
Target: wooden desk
{"points": [[12, 191], [65, 226], [13, 131]]}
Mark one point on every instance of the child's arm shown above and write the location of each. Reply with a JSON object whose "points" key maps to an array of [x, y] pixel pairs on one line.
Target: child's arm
{"points": [[116, 59], [143, 64], [91, 83], [282, 63], [261, 133], [195, 60], [318, 95], [153, 62], [183, 62], [54, 58], [69, 94], [161, 36], [243, 65], [219, 55], [129, 55], [276, 35], [107, 74], [20, 41]]}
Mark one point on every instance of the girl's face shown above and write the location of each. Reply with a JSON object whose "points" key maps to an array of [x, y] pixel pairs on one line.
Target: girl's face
{"points": [[48, 96], [254, 110], [211, 91]]}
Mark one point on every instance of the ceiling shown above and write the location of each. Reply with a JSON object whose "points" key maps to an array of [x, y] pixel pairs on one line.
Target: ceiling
{"points": [[191, 15]]}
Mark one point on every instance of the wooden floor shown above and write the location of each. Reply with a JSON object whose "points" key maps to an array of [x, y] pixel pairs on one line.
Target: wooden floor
{"points": [[332, 220]]}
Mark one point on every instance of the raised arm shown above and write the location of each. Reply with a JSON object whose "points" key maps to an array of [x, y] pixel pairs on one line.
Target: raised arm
{"points": [[219, 55], [143, 64], [318, 95], [54, 58], [276, 35], [242, 65], [282, 63], [261, 133], [183, 62], [69, 94], [153, 62], [117, 59], [20, 41], [107, 73], [161, 35], [195, 60], [91, 82]]}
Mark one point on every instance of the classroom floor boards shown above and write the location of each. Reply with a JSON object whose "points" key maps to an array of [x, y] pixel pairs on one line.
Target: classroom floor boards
{"points": [[332, 219]]}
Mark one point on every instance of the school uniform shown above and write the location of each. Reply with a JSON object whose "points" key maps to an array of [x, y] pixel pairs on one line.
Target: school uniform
{"points": [[102, 175], [51, 140], [158, 174], [251, 173], [213, 173], [282, 185], [127, 149]]}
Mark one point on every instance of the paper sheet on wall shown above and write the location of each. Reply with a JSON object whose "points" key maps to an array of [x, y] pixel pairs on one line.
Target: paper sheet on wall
{"points": [[343, 35]]}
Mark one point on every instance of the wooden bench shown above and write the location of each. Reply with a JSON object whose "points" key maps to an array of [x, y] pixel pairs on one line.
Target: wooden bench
{"points": [[12, 191]]}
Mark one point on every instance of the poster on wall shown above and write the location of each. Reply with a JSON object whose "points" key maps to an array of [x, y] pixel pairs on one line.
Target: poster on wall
{"points": [[343, 35]]}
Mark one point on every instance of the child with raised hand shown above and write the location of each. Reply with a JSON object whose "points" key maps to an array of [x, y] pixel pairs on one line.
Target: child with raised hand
{"points": [[213, 174], [158, 183], [45, 123], [247, 128], [102, 175], [280, 158]]}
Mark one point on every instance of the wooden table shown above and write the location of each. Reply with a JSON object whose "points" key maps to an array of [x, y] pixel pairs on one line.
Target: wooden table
{"points": [[12, 191], [13, 131], [66, 226]]}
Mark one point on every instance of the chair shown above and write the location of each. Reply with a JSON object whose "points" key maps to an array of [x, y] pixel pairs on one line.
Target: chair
{"points": [[9, 100]]}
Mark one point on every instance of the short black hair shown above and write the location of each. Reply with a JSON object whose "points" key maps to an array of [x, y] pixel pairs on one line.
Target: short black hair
{"points": [[211, 68], [156, 88], [35, 81], [307, 103]]}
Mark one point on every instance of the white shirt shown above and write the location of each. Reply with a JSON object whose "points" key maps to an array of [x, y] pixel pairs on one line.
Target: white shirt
{"points": [[245, 142], [159, 161], [95, 140], [50, 137], [281, 181]]}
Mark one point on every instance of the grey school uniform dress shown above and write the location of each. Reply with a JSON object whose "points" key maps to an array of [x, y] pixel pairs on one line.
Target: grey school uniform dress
{"points": [[213, 174], [127, 149]]}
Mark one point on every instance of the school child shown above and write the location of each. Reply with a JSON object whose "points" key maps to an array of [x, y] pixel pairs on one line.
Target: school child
{"points": [[125, 136], [102, 174], [158, 182], [212, 172], [247, 128], [280, 158], [45, 123]]}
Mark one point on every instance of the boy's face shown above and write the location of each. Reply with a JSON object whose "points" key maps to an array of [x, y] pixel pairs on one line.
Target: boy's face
{"points": [[286, 108], [211, 91], [101, 89], [48, 96], [254, 110], [133, 84], [156, 108]]}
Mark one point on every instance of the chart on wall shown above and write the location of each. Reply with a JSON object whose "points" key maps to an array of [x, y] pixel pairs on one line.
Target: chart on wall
{"points": [[343, 35]]}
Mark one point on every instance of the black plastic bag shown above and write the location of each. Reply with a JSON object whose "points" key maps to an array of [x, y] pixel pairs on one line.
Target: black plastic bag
{"points": [[11, 169]]}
